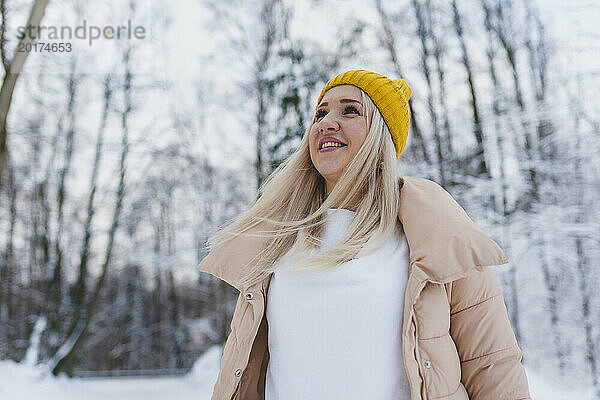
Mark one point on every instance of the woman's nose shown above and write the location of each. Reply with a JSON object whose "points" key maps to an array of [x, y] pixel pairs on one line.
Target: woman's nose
{"points": [[328, 124]]}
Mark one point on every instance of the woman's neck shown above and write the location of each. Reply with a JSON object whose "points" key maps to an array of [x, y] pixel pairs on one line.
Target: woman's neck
{"points": [[352, 205]]}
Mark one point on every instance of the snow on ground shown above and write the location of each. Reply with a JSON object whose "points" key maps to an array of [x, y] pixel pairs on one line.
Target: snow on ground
{"points": [[26, 382]]}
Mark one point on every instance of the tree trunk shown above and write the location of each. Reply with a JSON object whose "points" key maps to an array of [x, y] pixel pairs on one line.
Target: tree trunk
{"points": [[262, 86], [79, 289], [501, 202], [12, 74], [439, 50], [8, 276], [55, 285], [479, 153], [390, 44], [499, 30], [583, 267], [424, 32], [63, 358]]}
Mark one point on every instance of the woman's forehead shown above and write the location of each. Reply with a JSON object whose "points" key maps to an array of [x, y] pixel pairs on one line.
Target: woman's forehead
{"points": [[341, 91]]}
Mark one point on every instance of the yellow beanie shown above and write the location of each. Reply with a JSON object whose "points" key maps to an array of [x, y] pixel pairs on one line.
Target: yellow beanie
{"points": [[390, 97]]}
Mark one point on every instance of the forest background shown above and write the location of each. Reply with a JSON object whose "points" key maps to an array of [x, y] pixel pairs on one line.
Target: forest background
{"points": [[122, 156]]}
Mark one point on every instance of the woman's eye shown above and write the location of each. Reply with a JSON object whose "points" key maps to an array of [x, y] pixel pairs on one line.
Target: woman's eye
{"points": [[320, 114], [350, 109]]}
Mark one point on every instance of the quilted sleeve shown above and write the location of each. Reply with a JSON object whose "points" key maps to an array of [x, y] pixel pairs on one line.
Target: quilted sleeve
{"points": [[490, 356]]}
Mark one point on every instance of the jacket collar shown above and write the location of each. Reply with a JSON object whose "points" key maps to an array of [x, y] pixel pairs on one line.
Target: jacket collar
{"points": [[444, 243]]}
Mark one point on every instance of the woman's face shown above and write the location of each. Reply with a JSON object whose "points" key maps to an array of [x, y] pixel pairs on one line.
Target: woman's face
{"points": [[339, 118]]}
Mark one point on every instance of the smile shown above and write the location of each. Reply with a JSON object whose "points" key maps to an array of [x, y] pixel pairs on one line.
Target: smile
{"points": [[331, 146]]}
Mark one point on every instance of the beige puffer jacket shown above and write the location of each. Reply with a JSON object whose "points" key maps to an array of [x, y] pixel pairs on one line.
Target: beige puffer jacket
{"points": [[457, 340]]}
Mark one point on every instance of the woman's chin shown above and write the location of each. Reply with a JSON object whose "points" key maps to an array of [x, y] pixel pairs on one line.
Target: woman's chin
{"points": [[332, 166], [331, 173]]}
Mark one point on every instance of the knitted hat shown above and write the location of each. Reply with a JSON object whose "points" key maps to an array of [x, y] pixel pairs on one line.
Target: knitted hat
{"points": [[390, 97]]}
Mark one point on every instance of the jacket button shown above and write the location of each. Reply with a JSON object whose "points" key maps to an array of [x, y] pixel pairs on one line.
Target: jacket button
{"points": [[249, 296], [427, 364], [238, 372]]}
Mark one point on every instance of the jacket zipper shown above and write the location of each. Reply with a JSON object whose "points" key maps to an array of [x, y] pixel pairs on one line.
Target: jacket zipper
{"points": [[414, 320], [424, 390]]}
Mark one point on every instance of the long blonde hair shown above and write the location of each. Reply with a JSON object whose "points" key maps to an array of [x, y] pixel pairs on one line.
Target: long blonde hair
{"points": [[292, 203]]}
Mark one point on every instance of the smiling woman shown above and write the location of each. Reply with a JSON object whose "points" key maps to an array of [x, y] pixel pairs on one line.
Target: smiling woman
{"points": [[339, 130], [357, 283]]}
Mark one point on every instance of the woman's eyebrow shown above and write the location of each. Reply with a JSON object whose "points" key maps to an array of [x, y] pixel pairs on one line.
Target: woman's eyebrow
{"points": [[342, 101]]}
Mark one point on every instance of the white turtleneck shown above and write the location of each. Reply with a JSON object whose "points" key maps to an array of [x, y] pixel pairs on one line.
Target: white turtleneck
{"points": [[337, 334]]}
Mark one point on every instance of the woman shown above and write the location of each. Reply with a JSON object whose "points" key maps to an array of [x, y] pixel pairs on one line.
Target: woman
{"points": [[356, 283]]}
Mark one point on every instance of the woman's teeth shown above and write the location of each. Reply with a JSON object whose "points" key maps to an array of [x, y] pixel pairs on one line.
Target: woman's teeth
{"points": [[330, 146]]}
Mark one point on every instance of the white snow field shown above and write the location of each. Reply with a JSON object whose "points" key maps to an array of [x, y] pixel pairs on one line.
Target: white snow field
{"points": [[23, 381]]}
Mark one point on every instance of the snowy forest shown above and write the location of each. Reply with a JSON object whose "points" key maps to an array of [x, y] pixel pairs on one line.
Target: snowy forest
{"points": [[121, 156]]}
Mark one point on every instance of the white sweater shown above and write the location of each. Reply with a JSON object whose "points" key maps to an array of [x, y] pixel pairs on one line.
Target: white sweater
{"points": [[337, 334]]}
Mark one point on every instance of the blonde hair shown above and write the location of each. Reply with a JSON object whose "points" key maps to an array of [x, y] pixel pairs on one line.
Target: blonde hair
{"points": [[292, 203]]}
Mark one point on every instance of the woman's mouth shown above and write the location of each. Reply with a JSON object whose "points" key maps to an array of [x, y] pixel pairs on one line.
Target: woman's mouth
{"points": [[331, 146]]}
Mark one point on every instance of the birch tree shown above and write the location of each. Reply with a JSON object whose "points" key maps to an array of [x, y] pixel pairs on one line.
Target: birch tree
{"points": [[13, 69]]}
